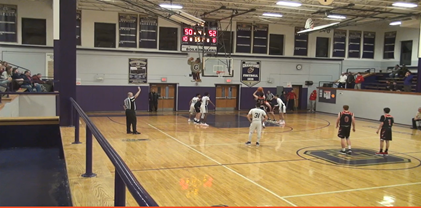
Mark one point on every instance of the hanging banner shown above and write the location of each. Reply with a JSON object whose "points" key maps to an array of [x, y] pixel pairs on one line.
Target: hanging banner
{"points": [[389, 45], [368, 45], [138, 71], [339, 43], [8, 22], [127, 27], [148, 32], [250, 72], [244, 32], [300, 43], [354, 41], [78, 27]]}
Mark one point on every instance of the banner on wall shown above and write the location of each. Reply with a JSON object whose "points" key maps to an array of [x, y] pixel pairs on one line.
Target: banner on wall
{"points": [[49, 65], [327, 95], [138, 70], [354, 48], [244, 31], [127, 27], [250, 72], [148, 32], [368, 45], [8, 22], [78, 27], [389, 45], [339, 43], [300, 43]]}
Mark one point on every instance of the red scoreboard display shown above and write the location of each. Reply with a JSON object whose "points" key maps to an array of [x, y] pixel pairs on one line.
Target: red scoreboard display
{"points": [[203, 39]]}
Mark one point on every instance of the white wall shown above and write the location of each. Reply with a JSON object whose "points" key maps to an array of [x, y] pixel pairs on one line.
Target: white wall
{"points": [[10, 109], [370, 105], [114, 65], [37, 105]]}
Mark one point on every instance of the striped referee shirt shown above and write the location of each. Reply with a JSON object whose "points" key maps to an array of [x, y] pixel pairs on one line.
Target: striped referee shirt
{"points": [[129, 103]]}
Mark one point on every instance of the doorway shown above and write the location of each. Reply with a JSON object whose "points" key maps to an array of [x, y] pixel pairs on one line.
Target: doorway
{"points": [[297, 89], [166, 93], [226, 97], [406, 52]]}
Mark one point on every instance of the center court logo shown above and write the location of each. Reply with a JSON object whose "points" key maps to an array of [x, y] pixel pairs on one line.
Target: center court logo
{"points": [[359, 157]]}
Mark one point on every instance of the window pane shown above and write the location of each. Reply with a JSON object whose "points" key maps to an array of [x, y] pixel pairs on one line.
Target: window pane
{"points": [[168, 38], [225, 40], [34, 31], [105, 35], [276, 44], [322, 47]]}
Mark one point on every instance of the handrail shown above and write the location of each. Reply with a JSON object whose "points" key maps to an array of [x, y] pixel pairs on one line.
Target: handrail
{"points": [[123, 177], [16, 65], [325, 82], [26, 93], [374, 70]]}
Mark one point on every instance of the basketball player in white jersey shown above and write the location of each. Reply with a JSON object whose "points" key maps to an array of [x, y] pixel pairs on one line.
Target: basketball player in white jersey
{"points": [[256, 116], [280, 105], [204, 108], [192, 109]]}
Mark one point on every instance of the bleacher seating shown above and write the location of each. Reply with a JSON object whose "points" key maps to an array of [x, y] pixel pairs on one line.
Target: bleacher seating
{"points": [[377, 81]]}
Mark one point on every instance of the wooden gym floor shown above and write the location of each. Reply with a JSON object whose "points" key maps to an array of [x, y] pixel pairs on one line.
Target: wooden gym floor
{"points": [[183, 164]]}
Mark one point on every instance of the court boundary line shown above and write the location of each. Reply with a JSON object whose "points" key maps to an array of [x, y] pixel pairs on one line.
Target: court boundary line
{"points": [[350, 190], [224, 166]]}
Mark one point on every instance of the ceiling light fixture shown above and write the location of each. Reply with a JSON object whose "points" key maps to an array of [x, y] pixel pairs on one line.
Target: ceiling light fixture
{"points": [[272, 15], [171, 6], [335, 16], [404, 4], [288, 3], [395, 23]]}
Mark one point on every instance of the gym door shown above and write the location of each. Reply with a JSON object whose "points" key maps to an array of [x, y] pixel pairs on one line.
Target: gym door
{"points": [[297, 90], [166, 92], [226, 97]]}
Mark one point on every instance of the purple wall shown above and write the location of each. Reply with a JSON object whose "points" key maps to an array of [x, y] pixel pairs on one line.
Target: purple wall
{"points": [[185, 94], [110, 98]]}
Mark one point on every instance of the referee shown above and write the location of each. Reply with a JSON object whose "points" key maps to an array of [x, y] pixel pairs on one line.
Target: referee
{"points": [[130, 108]]}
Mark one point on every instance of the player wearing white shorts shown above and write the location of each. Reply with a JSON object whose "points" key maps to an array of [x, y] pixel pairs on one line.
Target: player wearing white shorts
{"points": [[192, 109], [256, 116], [204, 108], [280, 105]]}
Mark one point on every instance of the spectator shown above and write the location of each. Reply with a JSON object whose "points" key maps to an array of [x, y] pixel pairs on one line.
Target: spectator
{"points": [[395, 87], [269, 96], [5, 77], [407, 82], [29, 84], [358, 81], [416, 119], [403, 71], [37, 79], [394, 71], [283, 97], [342, 80], [389, 86], [291, 98], [313, 97], [350, 80]]}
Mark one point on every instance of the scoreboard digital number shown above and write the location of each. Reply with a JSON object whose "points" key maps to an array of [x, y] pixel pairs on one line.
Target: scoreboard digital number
{"points": [[195, 40]]}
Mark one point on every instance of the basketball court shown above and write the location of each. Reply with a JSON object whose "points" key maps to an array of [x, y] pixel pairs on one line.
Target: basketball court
{"points": [[183, 164]]}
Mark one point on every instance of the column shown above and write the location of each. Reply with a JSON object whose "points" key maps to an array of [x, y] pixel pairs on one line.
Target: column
{"points": [[418, 88], [65, 56]]}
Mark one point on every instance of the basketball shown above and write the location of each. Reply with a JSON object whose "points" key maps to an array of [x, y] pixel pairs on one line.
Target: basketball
{"points": [[260, 89]]}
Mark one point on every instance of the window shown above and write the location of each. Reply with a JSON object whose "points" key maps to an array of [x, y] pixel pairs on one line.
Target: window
{"points": [[105, 35], [322, 47], [406, 52], [168, 38], [276, 44], [34, 31], [225, 40]]}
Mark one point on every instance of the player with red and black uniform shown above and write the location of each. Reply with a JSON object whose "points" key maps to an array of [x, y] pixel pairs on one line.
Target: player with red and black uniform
{"points": [[260, 98], [344, 121], [386, 123]]}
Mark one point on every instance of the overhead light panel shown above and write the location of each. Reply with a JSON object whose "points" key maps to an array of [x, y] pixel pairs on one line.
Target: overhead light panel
{"points": [[182, 20], [272, 14], [404, 4], [171, 6], [187, 19], [395, 23], [335, 16], [191, 17], [288, 3]]}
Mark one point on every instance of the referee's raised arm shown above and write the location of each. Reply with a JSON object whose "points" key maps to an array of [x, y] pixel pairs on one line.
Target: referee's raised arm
{"points": [[138, 92]]}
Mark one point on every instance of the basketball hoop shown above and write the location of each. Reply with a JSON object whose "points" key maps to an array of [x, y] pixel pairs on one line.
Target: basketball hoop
{"points": [[220, 74]]}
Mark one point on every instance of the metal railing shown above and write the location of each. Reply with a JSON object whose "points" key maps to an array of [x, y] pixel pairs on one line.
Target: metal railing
{"points": [[371, 70], [123, 175], [25, 93], [321, 83]]}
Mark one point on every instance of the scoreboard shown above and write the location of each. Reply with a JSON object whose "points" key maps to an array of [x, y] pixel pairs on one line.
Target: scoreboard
{"points": [[195, 39]]}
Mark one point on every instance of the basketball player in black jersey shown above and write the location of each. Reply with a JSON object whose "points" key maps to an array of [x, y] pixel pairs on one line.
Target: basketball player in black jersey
{"points": [[386, 123], [197, 109], [344, 122]]}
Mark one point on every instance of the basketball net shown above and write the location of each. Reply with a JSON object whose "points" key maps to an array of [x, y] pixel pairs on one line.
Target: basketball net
{"points": [[220, 74]]}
